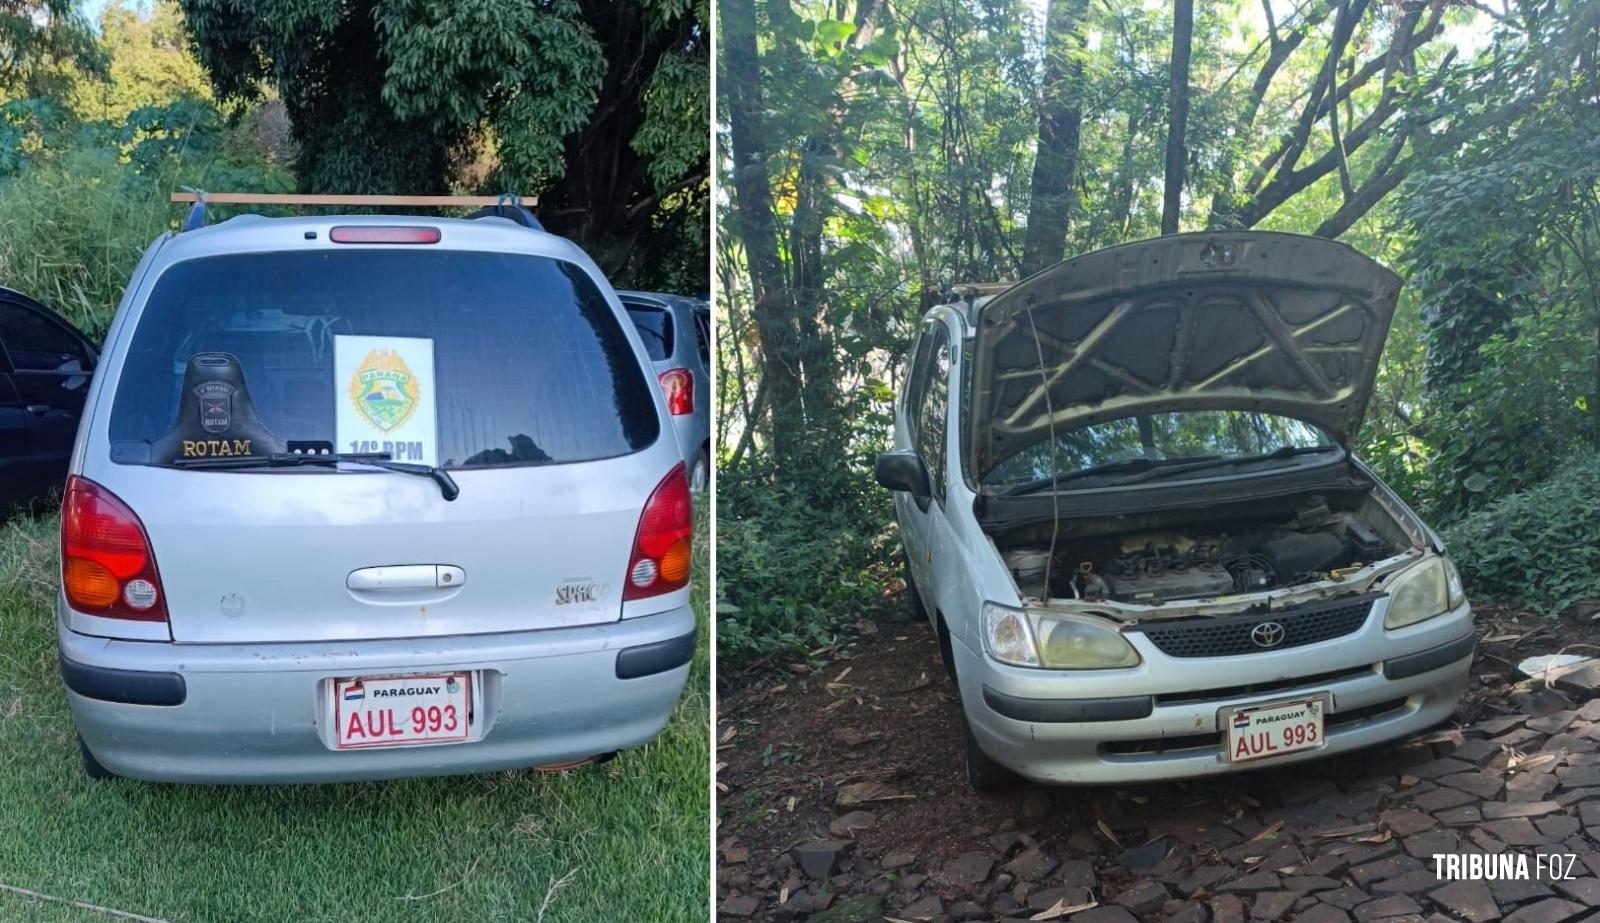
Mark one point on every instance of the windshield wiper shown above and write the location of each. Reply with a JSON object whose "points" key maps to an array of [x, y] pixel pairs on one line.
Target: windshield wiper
{"points": [[1288, 451], [1126, 465], [384, 460]]}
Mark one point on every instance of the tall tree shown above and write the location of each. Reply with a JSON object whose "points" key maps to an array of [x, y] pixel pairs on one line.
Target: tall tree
{"points": [[1284, 171], [1055, 161], [43, 45], [755, 227], [1177, 114]]}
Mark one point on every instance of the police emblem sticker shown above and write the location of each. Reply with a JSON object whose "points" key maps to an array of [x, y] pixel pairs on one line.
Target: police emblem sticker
{"points": [[385, 396], [384, 390], [216, 406]]}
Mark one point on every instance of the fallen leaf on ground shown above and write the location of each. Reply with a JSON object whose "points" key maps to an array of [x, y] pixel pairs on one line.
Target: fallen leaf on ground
{"points": [[1061, 908], [1341, 832], [1270, 831], [1105, 829]]}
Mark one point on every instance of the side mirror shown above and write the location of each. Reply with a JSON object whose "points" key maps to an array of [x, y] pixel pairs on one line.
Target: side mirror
{"points": [[903, 470]]}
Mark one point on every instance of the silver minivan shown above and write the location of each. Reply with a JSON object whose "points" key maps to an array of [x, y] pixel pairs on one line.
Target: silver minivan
{"points": [[1130, 509], [369, 496]]}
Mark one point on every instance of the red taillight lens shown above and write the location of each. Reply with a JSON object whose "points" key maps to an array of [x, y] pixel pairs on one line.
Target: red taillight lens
{"points": [[678, 386], [660, 560], [363, 234], [107, 567]]}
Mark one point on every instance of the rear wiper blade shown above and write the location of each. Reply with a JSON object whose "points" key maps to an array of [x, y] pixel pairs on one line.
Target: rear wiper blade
{"points": [[1288, 451], [384, 460], [1126, 465]]}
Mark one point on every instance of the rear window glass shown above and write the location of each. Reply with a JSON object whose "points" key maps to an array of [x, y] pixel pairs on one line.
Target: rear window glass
{"points": [[531, 365], [655, 328]]}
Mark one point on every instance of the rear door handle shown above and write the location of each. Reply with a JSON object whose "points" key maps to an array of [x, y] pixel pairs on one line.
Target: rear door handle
{"points": [[405, 577], [38, 410]]}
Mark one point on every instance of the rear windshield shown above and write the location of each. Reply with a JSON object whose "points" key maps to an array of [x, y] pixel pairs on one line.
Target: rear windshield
{"points": [[655, 329], [529, 363]]}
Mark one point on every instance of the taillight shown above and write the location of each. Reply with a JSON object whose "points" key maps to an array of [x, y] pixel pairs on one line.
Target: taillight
{"points": [[367, 234], [660, 559], [678, 386], [107, 567]]}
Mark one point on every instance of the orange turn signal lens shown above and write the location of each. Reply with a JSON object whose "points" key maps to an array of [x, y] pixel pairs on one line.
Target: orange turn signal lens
{"points": [[89, 584], [675, 563]]}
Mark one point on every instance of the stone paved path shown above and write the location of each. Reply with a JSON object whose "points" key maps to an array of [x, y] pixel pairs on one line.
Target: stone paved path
{"points": [[843, 801]]}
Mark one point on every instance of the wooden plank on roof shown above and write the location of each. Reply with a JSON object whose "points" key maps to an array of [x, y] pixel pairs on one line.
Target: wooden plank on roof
{"points": [[401, 201]]}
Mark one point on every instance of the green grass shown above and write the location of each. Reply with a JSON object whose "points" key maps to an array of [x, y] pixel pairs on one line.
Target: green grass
{"points": [[629, 838]]}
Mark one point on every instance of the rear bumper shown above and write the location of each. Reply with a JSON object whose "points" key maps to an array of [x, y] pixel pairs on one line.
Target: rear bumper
{"points": [[252, 713]]}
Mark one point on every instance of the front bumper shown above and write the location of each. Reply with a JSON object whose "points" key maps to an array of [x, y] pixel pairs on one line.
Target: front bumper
{"points": [[252, 713], [1163, 719]]}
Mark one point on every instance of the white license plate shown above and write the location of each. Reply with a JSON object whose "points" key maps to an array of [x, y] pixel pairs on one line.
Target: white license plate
{"points": [[401, 711], [1266, 731]]}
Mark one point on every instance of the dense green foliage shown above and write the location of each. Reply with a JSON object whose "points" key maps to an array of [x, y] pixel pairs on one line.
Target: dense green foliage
{"points": [[85, 172], [880, 154], [599, 109], [1540, 546]]}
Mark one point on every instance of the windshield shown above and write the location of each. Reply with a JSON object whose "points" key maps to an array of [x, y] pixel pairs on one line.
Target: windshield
{"points": [[1191, 434], [458, 359]]}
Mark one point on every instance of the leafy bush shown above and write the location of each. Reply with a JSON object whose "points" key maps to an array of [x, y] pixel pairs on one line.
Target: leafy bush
{"points": [[74, 221], [1540, 546], [794, 569]]}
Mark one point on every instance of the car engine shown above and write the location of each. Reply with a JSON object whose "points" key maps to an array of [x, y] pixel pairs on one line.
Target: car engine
{"points": [[1152, 567]]}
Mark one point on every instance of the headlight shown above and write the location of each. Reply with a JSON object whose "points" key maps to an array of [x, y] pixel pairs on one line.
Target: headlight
{"points": [[1063, 642], [1083, 644], [1426, 590], [1006, 633]]}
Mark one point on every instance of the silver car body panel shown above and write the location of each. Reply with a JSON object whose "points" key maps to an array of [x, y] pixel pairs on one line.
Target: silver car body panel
{"points": [[956, 568], [255, 567]]}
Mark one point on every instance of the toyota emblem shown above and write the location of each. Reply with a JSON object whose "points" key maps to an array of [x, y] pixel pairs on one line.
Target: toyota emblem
{"points": [[1267, 634]]}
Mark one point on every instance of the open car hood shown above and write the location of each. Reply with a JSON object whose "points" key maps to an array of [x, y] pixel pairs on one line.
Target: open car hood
{"points": [[1240, 320]]}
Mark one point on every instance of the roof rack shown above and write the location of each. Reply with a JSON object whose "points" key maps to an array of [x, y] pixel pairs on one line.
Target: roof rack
{"points": [[506, 205]]}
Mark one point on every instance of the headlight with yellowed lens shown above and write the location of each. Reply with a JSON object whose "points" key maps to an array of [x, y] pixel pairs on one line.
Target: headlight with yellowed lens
{"points": [[1083, 644], [1424, 591], [1007, 635]]}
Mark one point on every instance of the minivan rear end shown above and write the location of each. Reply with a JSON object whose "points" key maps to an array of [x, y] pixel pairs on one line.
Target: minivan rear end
{"points": [[539, 616]]}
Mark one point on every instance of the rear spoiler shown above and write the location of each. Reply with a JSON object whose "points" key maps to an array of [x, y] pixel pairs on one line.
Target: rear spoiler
{"points": [[506, 205]]}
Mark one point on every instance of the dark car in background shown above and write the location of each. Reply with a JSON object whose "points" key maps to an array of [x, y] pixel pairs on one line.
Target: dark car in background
{"points": [[676, 331], [45, 367]]}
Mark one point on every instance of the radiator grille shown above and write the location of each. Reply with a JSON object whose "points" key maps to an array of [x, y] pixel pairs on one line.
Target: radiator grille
{"points": [[1233, 635]]}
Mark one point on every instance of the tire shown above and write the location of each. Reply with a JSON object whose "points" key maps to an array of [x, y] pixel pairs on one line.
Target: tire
{"points": [[947, 655], [91, 766], [699, 473], [914, 606], [983, 773]]}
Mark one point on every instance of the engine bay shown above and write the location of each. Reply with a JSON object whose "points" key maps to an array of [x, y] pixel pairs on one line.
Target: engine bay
{"points": [[1221, 557]]}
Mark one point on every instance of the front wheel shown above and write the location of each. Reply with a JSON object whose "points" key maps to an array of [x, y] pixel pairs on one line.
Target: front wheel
{"points": [[983, 773], [918, 612]]}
